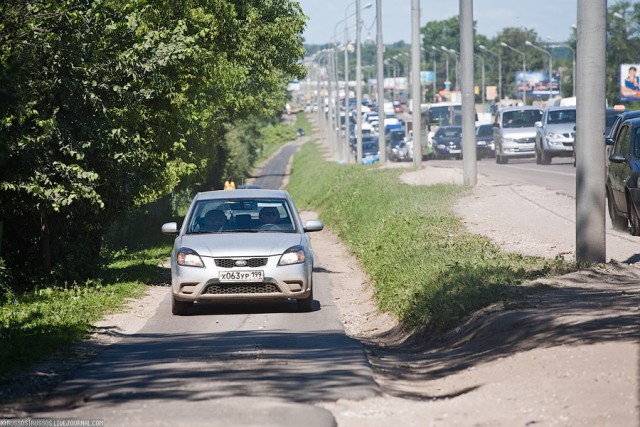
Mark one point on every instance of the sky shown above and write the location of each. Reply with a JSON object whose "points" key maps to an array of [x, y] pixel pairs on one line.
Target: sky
{"points": [[551, 19]]}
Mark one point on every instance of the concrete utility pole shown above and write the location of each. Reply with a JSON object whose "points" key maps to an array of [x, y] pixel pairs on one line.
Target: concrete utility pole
{"points": [[590, 156], [416, 96], [358, 85], [380, 81], [469, 166]]}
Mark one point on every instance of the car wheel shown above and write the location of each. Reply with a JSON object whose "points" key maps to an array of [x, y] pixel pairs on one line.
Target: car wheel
{"points": [[306, 305], [619, 222], [634, 220], [179, 308], [498, 159], [545, 158]]}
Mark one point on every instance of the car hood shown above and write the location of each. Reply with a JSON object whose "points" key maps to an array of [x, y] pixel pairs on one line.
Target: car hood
{"points": [[560, 127], [241, 244], [519, 132], [448, 140]]}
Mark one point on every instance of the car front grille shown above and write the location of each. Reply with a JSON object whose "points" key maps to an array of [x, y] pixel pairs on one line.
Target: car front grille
{"points": [[241, 288], [525, 140], [242, 263]]}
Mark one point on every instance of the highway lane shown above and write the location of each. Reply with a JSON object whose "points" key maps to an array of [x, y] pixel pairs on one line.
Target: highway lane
{"points": [[558, 178], [242, 364]]}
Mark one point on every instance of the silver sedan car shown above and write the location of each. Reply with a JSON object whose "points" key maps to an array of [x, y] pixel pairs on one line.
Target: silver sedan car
{"points": [[240, 245]]}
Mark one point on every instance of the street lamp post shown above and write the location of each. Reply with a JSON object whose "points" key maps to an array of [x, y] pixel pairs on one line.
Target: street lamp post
{"points": [[528, 43], [456, 55], [345, 150], [380, 78], [573, 52], [435, 86], [524, 69], [499, 69], [483, 87]]}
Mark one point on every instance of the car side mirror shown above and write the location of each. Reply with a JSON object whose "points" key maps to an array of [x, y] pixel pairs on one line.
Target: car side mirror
{"points": [[609, 141], [313, 225], [170, 228], [538, 124], [496, 125], [616, 158]]}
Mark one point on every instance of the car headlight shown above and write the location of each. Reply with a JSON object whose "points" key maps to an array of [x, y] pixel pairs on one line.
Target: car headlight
{"points": [[188, 257], [293, 255], [441, 146], [552, 138], [509, 140]]}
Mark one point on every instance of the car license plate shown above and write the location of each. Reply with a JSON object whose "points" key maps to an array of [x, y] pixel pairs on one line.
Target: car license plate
{"points": [[455, 151], [241, 276]]}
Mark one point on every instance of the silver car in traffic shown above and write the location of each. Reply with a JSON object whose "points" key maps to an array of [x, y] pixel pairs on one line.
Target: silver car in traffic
{"points": [[555, 134], [241, 245], [514, 132]]}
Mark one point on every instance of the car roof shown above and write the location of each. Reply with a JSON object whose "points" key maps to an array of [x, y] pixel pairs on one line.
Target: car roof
{"points": [[527, 107], [634, 121], [561, 108], [627, 115], [248, 193]]}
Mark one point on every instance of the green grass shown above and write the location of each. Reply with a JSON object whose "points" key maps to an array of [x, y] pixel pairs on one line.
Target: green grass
{"points": [[44, 322], [425, 267]]}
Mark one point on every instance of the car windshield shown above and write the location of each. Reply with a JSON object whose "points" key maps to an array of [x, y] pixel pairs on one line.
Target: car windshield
{"points": [[369, 147], [449, 132], [611, 116], [240, 215], [561, 116], [521, 118], [484, 130]]}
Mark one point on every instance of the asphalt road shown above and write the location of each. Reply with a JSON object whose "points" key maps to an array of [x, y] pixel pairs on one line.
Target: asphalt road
{"points": [[556, 216], [225, 365]]}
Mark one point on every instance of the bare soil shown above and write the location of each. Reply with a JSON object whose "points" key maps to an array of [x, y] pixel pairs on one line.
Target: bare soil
{"points": [[567, 357]]}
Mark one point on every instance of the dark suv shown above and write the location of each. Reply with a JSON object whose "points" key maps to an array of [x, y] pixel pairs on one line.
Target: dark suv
{"points": [[623, 172]]}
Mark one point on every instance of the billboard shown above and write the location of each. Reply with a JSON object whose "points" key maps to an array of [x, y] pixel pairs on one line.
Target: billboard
{"points": [[629, 82], [536, 84], [426, 77]]}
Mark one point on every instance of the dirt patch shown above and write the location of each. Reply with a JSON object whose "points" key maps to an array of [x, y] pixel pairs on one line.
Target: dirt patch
{"points": [[566, 356]]}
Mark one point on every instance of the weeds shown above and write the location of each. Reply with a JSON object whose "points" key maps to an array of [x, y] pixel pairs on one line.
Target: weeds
{"points": [[425, 267]]}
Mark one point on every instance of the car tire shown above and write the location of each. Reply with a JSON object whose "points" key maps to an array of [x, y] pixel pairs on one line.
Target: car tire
{"points": [[619, 222], [305, 305], [634, 220], [545, 158], [179, 308]]}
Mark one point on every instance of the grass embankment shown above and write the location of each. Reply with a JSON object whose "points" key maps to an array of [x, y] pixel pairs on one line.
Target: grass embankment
{"points": [[425, 267], [44, 322]]}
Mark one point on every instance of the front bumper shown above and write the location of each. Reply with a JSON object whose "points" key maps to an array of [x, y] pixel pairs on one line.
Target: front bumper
{"points": [[191, 284]]}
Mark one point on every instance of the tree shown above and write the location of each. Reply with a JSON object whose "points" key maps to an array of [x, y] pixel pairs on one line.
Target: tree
{"points": [[111, 104]]}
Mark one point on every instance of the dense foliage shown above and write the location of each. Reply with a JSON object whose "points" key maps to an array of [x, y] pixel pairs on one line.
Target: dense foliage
{"points": [[107, 105]]}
